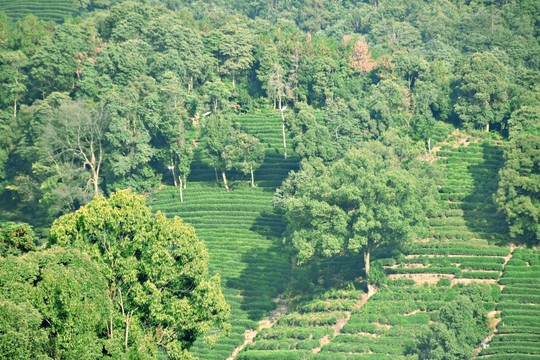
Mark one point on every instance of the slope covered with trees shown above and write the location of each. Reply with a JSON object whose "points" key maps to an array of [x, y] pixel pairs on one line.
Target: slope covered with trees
{"points": [[320, 148]]}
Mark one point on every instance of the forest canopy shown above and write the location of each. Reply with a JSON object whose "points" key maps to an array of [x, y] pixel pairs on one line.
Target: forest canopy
{"points": [[135, 81]]}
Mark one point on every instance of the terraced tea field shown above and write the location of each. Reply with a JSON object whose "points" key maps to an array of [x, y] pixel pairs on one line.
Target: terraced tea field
{"points": [[518, 332], [462, 248], [53, 10], [241, 231]]}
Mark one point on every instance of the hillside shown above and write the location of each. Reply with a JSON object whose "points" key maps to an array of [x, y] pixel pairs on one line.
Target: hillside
{"points": [[402, 222], [241, 231], [462, 248]]}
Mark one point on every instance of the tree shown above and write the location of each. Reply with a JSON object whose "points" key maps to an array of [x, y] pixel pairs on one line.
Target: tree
{"points": [[13, 76], [360, 58], [526, 118], [389, 106], [277, 87], [216, 131], [342, 125], [518, 196], [310, 139], [216, 94], [482, 90], [460, 328], [16, 239], [135, 113], [236, 47], [156, 271], [75, 134], [354, 205], [246, 153], [54, 305]]}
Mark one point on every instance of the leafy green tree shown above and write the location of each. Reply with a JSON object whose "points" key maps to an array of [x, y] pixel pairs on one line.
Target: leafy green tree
{"points": [[482, 90], [216, 132], [31, 33], [55, 65], [526, 118], [236, 48], [134, 114], [518, 196], [431, 101], [16, 239], [310, 139], [216, 94], [354, 205], [460, 328], [156, 271], [13, 76], [246, 153], [389, 106], [62, 298], [177, 48], [343, 126]]}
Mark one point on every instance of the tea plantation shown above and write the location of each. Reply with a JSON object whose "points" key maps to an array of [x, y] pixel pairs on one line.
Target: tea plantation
{"points": [[53, 10], [241, 231], [464, 246]]}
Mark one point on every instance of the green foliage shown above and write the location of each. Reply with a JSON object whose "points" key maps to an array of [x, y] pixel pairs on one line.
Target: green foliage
{"points": [[518, 194], [461, 326], [351, 206], [55, 303], [156, 270], [16, 239], [482, 90]]}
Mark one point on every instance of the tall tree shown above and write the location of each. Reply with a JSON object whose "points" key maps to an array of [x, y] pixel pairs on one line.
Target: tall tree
{"points": [[354, 205], [54, 304], [216, 133], [246, 153], [278, 88], [13, 76], [156, 271], [135, 114], [482, 90], [518, 196], [236, 48], [75, 134]]}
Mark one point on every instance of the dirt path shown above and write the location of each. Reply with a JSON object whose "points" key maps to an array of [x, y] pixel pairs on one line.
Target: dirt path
{"points": [[342, 322], [493, 320], [263, 324]]}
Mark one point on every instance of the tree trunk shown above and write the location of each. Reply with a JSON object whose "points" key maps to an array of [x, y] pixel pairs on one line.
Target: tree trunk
{"points": [[173, 174], [127, 331], [180, 189], [217, 179], [367, 254], [233, 81], [283, 130], [96, 183], [225, 180], [15, 107], [366, 262], [252, 178], [185, 182], [429, 144], [487, 127]]}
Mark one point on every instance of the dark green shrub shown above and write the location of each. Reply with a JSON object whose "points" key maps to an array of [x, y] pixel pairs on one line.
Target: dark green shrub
{"points": [[444, 282]]}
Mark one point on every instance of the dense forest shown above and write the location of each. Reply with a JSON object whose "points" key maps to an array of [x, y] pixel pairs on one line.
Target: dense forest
{"points": [[344, 123]]}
